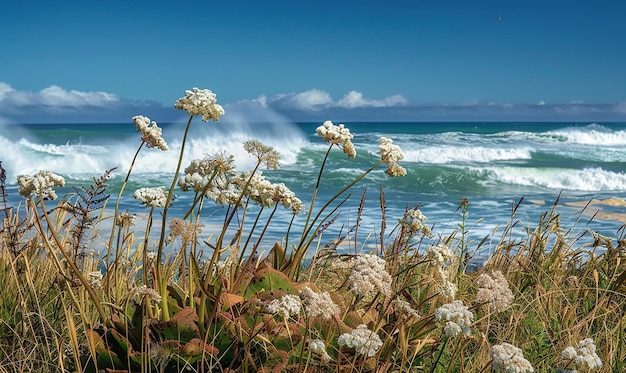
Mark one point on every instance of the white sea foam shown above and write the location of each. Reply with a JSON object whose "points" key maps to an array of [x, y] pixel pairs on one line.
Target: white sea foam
{"points": [[83, 161], [588, 179], [593, 134], [450, 154]]}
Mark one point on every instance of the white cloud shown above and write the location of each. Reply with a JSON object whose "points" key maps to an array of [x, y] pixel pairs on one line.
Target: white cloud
{"points": [[541, 103], [5, 89], [57, 104], [316, 100], [313, 99], [55, 96], [354, 99]]}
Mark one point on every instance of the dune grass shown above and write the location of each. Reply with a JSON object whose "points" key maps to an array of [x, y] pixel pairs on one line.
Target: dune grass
{"points": [[84, 289]]}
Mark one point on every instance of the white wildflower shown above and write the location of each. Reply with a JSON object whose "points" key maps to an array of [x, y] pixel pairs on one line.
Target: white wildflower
{"points": [[391, 154], [448, 289], [40, 184], [441, 255], [403, 306], [264, 154], [415, 221], [494, 290], [584, 354], [209, 170], [200, 102], [369, 276], [318, 304], [94, 279], [364, 341], [337, 135], [280, 193], [144, 291], [569, 353], [151, 134], [445, 262], [318, 347], [288, 305], [508, 358], [151, 197], [457, 318]]}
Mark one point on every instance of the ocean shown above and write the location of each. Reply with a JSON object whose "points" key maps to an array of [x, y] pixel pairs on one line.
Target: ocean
{"points": [[493, 165]]}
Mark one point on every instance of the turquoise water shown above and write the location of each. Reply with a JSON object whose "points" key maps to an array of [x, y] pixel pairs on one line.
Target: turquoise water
{"points": [[494, 165]]}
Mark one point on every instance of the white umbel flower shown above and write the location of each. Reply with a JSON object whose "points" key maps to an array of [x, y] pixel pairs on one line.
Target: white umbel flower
{"points": [[415, 222], [318, 347], [151, 134], [510, 359], [318, 304], [40, 184], [369, 276], [200, 102], [288, 305], [457, 318], [364, 341], [151, 197], [391, 154], [494, 290], [338, 135], [584, 354]]}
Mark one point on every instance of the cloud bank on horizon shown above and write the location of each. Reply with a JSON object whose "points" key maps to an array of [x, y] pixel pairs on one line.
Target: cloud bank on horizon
{"points": [[55, 104]]}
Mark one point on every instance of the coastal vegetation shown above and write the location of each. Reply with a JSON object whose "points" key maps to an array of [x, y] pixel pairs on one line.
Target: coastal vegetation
{"points": [[86, 287]]}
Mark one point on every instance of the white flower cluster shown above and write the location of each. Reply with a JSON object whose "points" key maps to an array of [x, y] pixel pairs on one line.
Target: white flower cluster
{"points": [[444, 259], [403, 306], [584, 354], [457, 318], [318, 347], [151, 197], [94, 279], [200, 102], [338, 135], [415, 222], [508, 358], [369, 276], [288, 305], [364, 341], [144, 291], [318, 304], [264, 154], [151, 134], [391, 154], [263, 192], [40, 184], [280, 193], [207, 175], [441, 255], [494, 290]]}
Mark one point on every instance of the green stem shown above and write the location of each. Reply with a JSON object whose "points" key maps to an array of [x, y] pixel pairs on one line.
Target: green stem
{"points": [[304, 244], [317, 186], [117, 206], [162, 280], [145, 247]]}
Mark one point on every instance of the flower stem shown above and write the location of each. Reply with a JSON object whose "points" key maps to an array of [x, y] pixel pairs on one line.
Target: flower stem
{"points": [[160, 278]]}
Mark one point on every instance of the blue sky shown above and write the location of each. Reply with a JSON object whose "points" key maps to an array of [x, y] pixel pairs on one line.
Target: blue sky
{"points": [[84, 61]]}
